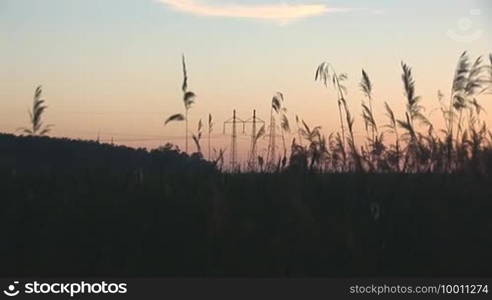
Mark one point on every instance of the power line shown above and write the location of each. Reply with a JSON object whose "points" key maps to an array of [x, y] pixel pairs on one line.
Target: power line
{"points": [[158, 139]]}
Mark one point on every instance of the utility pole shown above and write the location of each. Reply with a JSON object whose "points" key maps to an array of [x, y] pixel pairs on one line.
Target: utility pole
{"points": [[272, 143], [252, 153], [233, 121]]}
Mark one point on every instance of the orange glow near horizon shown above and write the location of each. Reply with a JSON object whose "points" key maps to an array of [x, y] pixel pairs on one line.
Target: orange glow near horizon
{"points": [[114, 71]]}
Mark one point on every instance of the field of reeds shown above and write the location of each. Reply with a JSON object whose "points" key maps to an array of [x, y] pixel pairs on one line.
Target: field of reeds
{"points": [[72, 208], [395, 143], [408, 200], [408, 143]]}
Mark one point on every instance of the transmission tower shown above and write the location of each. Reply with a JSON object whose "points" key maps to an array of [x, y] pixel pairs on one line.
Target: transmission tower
{"points": [[233, 122], [252, 152]]}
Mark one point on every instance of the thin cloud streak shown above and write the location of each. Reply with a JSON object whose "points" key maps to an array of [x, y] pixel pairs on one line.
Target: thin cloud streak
{"points": [[282, 13]]}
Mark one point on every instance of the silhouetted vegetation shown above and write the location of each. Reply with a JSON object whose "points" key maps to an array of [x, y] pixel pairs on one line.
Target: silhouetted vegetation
{"points": [[188, 100], [416, 205], [460, 146], [88, 209], [401, 144], [36, 115]]}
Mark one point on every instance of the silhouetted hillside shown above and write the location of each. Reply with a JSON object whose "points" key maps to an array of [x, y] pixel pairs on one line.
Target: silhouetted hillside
{"points": [[54, 156]]}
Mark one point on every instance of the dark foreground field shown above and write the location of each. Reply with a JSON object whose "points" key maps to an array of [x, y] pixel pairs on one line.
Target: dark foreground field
{"points": [[83, 209]]}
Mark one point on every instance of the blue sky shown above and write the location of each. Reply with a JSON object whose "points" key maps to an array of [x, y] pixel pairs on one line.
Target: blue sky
{"points": [[113, 65]]}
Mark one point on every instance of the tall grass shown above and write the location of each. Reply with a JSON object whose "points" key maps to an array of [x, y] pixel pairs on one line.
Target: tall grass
{"points": [[277, 111], [418, 146], [406, 143], [197, 137], [83, 200], [188, 100], [326, 73], [36, 116], [210, 130]]}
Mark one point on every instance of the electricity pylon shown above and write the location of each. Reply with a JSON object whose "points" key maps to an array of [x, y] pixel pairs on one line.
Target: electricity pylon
{"points": [[234, 121]]}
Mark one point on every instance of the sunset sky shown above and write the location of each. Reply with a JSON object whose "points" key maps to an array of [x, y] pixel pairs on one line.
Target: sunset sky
{"points": [[113, 66]]}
